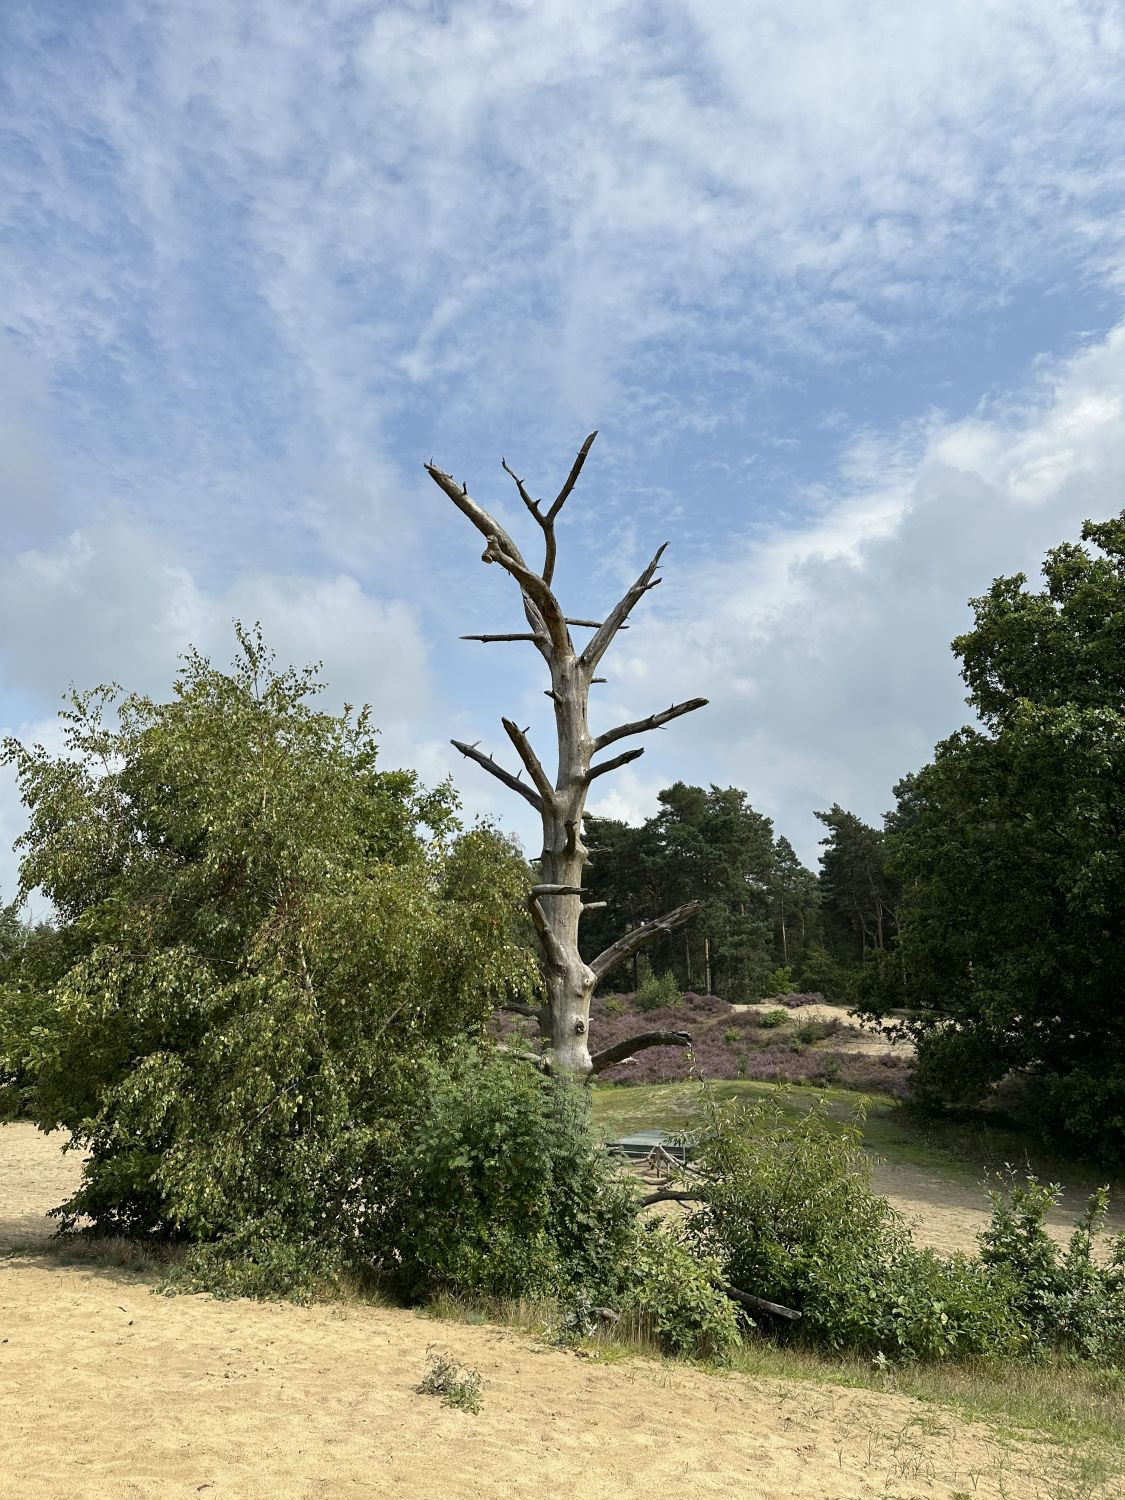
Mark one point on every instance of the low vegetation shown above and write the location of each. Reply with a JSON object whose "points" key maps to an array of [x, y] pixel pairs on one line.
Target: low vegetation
{"points": [[458, 1385]]}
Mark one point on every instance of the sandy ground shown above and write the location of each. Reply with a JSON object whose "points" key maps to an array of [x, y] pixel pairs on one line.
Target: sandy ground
{"points": [[873, 1038], [108, 1391]]}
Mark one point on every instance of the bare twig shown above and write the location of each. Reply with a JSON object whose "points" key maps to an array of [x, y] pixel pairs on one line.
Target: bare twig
{"points": [[670, 1195], [642, 726], [572, 478], [618, 760], [499, 772], [514, 635], [628, 944], [609, 1056]]}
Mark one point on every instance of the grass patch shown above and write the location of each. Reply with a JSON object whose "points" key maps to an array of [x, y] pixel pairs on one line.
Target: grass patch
{"points": [[106, 1251], [967, 1151]]}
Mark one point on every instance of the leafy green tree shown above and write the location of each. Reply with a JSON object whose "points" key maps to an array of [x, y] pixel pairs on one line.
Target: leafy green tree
{"points": [[259, 932], [710, 842], [794, 905], [1011, 849], [859, 897]]}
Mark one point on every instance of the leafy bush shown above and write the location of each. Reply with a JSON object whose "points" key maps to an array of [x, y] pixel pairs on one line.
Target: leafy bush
{"points": [[657, 992], [821, 972], [1069, 1301], [771, 1019], [790, 1215], [674, 1292], [780, 982], [808, 1032], [495, 1187], [258, 931]]}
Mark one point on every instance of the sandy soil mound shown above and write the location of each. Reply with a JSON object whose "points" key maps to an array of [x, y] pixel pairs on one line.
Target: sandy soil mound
{"points": [[107, 1391]]}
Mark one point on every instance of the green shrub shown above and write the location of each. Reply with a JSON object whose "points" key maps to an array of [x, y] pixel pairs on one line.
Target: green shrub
{"points": [[780, 982], [613, 1006], [658, 992], [496, 1188], [674, 1292], [790, 1216], [1070, 1302], [808, 1032], [770, 1019], [822, 974], [261, 1259]]}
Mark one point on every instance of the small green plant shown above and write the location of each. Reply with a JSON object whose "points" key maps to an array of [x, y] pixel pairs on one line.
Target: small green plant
{"points": [[808, 1032], [658, 992], [614, 1006], [732, 1036], [458, 1385], [780, 982], [773, 1018]]}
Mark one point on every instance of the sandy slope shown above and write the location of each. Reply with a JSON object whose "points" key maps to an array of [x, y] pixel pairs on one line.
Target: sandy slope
{"points": [[872, 1038], [107, 1391]]}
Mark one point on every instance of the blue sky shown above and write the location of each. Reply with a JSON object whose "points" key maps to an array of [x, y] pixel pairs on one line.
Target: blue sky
{"points": [[841, 286]]}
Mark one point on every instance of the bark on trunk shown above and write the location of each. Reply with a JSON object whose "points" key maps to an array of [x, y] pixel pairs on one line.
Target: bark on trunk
{"points": [[556, 902]]}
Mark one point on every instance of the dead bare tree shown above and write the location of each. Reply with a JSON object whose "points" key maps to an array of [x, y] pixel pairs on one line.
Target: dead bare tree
{"points": [[556, 901]]}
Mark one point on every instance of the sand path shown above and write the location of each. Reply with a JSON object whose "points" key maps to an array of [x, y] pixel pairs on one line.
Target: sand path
{"points": [[107, 1391]]}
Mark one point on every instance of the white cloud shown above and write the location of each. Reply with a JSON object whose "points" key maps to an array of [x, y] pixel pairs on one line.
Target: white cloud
{"points": [[109, 603], [266, 258], [826, 652]]}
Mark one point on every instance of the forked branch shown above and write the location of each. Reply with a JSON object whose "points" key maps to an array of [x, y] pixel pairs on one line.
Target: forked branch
{"points": [[596, 648], [540, 604], [547, 522], [499, 772], [628, 944]]}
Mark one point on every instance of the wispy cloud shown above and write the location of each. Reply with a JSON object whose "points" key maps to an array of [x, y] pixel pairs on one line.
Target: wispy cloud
{"points": [[261, 260]]}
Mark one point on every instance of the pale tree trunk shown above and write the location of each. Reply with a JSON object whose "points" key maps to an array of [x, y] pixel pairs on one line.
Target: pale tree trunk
{"points": [[556, 901]]}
